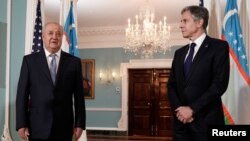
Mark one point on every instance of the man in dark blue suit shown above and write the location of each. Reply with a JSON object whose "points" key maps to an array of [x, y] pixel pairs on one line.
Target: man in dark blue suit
{"points": [[50, 100], [199, 77]]}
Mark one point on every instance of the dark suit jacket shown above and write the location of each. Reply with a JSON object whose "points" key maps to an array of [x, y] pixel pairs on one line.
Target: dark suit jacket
{"points": [[40, 105], [206, 83]]}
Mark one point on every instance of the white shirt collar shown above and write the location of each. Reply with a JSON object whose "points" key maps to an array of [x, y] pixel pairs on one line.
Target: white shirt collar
{"points": [[47, 53], [198, 43], [199, 40]]}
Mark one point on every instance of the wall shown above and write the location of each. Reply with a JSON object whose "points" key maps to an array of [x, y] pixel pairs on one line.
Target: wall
{"points": [[18, 19], [3, 27], [104, 111]]}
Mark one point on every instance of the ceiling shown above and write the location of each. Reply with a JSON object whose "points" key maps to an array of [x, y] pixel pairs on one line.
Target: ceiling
{"points": [[100, 16]]}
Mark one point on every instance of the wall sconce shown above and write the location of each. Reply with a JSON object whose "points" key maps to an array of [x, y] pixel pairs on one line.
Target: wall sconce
{"points": [[107, 76]]}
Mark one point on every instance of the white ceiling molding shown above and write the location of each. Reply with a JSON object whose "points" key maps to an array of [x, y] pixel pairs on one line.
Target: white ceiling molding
{"points": [[114, 37]]}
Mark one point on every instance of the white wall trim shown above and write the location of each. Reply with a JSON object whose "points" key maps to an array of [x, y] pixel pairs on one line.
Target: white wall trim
{"points": [[104, 109], [104, 128], [30, 20]]}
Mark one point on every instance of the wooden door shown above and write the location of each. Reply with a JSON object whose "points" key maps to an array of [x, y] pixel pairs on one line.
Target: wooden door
{"points": [[149, 109], [162, 111]]}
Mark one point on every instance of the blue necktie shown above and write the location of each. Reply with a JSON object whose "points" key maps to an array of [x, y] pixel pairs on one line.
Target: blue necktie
{"points": [[53, 67], [189, 59]]}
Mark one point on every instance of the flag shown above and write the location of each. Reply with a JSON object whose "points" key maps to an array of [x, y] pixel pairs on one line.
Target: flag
{"points": [[237, 98], [37, 45], [70, 32], [214, 25], [70, 45], [201, 3]]}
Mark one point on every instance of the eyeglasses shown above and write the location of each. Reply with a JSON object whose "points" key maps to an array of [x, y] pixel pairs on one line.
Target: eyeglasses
{"points": [[57, 34]]}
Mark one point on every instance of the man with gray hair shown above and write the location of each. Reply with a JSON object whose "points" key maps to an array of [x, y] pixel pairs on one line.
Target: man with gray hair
{"points": [[50, 99]]}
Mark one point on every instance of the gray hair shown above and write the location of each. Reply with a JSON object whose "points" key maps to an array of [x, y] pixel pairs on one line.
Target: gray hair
{"points": [[55, 23], [198, 13]]}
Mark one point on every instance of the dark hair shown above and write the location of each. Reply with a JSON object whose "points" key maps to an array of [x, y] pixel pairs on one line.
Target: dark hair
{"points": [[198, 13]]}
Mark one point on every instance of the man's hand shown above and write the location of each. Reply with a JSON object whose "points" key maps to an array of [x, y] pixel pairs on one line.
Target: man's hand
{"points": [[77, 133], [184, 114], [24, 133]]}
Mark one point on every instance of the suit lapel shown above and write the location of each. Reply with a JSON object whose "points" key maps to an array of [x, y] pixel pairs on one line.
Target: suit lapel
{"points": [[183, 56], [43, 64], [62, 64], [199, 55]]}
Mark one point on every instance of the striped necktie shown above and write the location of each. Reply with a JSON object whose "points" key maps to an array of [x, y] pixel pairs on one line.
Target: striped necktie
{"points": [[53, 67]]}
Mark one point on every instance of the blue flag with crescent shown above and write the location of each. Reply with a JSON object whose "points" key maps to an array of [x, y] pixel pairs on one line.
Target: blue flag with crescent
{"points": [[237, 98], [70, 30], [233, 35]]}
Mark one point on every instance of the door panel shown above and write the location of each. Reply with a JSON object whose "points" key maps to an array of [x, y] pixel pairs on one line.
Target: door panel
{"points": [[139, 104], [149, 109], [163, 123]]}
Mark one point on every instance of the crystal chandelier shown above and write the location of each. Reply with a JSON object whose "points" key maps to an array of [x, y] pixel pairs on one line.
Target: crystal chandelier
{"points": [[145, 37]]}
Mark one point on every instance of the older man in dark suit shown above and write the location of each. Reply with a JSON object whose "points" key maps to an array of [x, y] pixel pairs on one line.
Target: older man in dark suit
{"points": [[199, 77], [50, 102]]}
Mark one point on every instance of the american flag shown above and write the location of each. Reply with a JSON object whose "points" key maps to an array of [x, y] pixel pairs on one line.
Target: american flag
{"points": [[37, 45], [201, 3], [70, 31]]}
